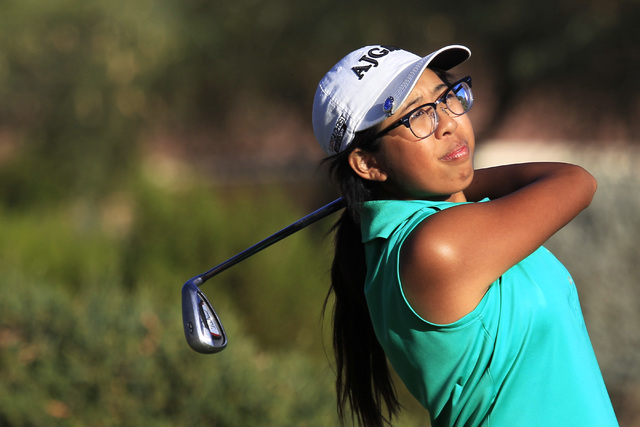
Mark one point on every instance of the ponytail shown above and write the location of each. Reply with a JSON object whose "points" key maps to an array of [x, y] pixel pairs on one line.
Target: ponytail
{"points": [[363, 380]]}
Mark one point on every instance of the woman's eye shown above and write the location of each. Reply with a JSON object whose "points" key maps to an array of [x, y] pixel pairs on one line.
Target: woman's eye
{"points": [[418, 113]]}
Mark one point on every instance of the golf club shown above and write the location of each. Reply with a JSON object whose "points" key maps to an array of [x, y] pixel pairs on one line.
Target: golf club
{"points": [[202, 326]]}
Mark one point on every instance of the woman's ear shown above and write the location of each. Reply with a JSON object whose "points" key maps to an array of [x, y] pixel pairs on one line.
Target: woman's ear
{"points": [[366, 165]]}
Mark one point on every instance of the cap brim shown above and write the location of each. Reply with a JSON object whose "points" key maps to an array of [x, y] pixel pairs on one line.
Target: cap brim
{"points": [[449, 57], [442, 59]]}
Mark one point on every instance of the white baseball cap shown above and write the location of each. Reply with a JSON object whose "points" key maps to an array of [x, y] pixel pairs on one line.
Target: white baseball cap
{"points": [[369, 85]]}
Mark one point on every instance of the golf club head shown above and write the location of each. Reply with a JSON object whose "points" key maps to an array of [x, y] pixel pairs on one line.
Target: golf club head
{"points": [[202, 327]]}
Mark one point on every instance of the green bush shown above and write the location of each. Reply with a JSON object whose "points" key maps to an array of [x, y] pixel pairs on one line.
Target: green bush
{"points": [[105, 356]]}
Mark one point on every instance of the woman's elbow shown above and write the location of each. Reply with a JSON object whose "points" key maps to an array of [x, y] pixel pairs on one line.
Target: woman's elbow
{"points": [[588, 185]]}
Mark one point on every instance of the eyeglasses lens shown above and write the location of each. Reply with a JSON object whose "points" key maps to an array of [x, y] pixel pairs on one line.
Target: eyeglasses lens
{"points": [[458, 101], [423, 121]]}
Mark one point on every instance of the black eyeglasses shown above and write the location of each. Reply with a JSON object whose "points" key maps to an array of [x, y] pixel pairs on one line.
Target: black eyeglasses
{"points": [[423, 121]]}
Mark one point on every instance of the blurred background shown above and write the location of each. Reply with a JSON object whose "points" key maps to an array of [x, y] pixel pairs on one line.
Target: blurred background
{"points": [[144, 142]]}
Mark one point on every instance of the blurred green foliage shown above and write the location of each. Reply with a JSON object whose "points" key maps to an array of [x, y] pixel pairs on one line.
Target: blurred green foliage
{"points": [[104, 356], [83, 82]]}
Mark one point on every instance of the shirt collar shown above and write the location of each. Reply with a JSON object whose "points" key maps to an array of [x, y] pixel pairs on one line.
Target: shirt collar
{"points": [[379, 218]]}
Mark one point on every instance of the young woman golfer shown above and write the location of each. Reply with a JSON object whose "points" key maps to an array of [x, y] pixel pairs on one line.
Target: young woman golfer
{"points": [[438, 267]]}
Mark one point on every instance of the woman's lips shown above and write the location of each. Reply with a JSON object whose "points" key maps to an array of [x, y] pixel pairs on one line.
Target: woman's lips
{"points": [[459, 152]]}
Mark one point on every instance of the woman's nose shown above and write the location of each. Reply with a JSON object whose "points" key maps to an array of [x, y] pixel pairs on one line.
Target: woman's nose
{"points": [[446, 123]]}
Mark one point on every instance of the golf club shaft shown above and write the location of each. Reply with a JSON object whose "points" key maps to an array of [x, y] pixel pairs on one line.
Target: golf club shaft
{"points": [[285, 232]]}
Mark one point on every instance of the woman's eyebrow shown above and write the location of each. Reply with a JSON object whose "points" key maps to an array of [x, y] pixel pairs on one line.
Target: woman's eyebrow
{"points": [[416, 101], [438, 90]]}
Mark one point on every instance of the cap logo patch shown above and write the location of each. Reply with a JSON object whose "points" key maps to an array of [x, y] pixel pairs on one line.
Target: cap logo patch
{"points": [[338, 134], [371, 58]]}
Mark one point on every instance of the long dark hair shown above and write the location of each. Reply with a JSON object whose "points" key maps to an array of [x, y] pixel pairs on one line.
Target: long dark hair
{"points": [[363, 380], [363, 377]]}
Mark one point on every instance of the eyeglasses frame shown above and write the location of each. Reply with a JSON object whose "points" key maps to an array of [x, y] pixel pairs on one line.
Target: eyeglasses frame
{"points": [[404, 120]]}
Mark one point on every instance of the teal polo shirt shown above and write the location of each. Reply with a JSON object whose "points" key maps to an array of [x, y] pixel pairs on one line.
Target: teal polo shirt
{"points": [[522, 357]]}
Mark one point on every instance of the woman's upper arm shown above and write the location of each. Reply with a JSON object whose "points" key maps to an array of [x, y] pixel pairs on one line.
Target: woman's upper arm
{"points": [[449, 261]]}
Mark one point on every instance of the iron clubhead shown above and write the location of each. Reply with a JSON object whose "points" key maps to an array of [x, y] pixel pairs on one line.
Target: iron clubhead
{"points": [[202, 327]]}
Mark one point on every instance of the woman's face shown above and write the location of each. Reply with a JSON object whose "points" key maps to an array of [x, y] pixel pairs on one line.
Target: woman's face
{"points": [[439, 166]]}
